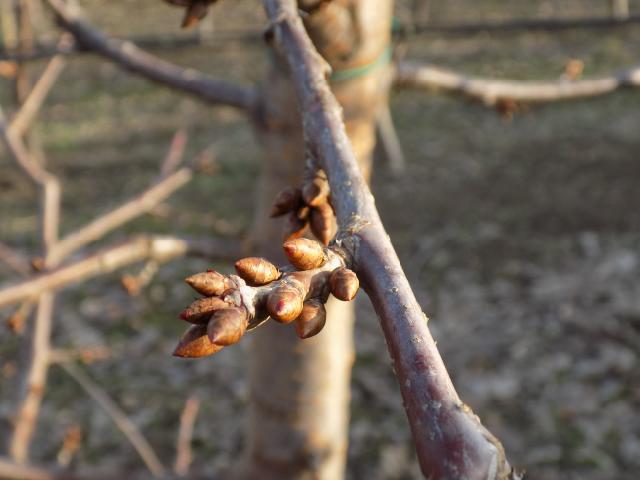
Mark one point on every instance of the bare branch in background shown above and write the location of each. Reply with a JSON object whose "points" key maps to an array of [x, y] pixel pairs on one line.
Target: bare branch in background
{"points": [[174, 156], [34, 380], [21, 122], [126, 426], [12, 471], [493, 91], [159, 248], [119, 216], [389, 141], [47, 183], [450, 440], [15, 260], [184, 455], [132, 58]]}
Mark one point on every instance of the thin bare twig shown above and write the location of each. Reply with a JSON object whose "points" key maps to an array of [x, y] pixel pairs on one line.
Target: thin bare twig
{"points": [[492, 91], [126, 426], [34, 101], [13, 471], [127, 55], [449, 438], [389, 141], [159, 248], [175, 154], [126, 212], [184, 455], [34, 381], [47, 183], [15, 260]]}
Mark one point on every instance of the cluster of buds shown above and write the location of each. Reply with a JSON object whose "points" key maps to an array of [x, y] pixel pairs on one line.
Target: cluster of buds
{"points": [[309, 205], [195, 10], [235, 304]]}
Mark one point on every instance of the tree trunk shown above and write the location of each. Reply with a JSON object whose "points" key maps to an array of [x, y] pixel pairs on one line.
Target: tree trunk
{"points": [[299, 406]]}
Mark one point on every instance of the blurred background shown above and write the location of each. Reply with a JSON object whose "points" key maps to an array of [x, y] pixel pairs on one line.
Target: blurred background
{"points": [[520, 235]]}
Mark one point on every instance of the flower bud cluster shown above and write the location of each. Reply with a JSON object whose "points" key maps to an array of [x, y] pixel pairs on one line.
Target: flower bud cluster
{"points": [[235, 304]]}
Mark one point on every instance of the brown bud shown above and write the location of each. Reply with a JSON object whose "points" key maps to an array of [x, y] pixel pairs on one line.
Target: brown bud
{"points": [[294, 226], [195, 343], [312, 318], [284, 304], [304, 254], [227, 326], [256, 270], [344, 284], [315, 192], [287, 200], [208, 283], [323, 223], [200, 310]]}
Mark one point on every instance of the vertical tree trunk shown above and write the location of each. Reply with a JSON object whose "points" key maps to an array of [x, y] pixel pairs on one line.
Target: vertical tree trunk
{"points": [[299, 407]]}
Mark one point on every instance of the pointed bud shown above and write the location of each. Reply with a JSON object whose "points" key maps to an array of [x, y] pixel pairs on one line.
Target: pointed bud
{"points": [[312, 318], [316, 191], [200, 310], [195, 343], [257, 271], [208, 283], [304, 254], [287, 200], [227, 326], [284, 304], [294, 226], [344, 284], [323, 223]]}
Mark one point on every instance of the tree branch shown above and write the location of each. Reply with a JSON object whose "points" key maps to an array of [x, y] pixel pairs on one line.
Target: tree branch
{"points": [[492, 91], [43, 180], [450, 440], [126, 426], [15, 260], [121, 215], [32, 104], [12, 471], [184, 455], [132, 58], [143, 247]]}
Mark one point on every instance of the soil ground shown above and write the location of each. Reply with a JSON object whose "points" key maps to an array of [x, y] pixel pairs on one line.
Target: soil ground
{"points": [[520, 236]]}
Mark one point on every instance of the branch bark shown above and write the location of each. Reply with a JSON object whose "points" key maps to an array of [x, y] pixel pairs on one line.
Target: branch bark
{"points": [[159, 248], [126, 426], [492, 91], [450, 440], [120, 215], [132, 58], [32, 104]]}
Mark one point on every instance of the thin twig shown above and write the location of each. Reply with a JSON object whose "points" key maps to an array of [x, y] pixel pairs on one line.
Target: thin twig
{"points": [[15, 260], [158, 248], [389, 141], [47, 183], [126, 426], [34, 101], [175, 154], [492, 91], [117, 217], [127, 55], [34, 381], [13, 471], [184, 455]]}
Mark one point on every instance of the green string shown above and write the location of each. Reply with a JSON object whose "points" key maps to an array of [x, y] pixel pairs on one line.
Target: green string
{"points": [[350, 73]]}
